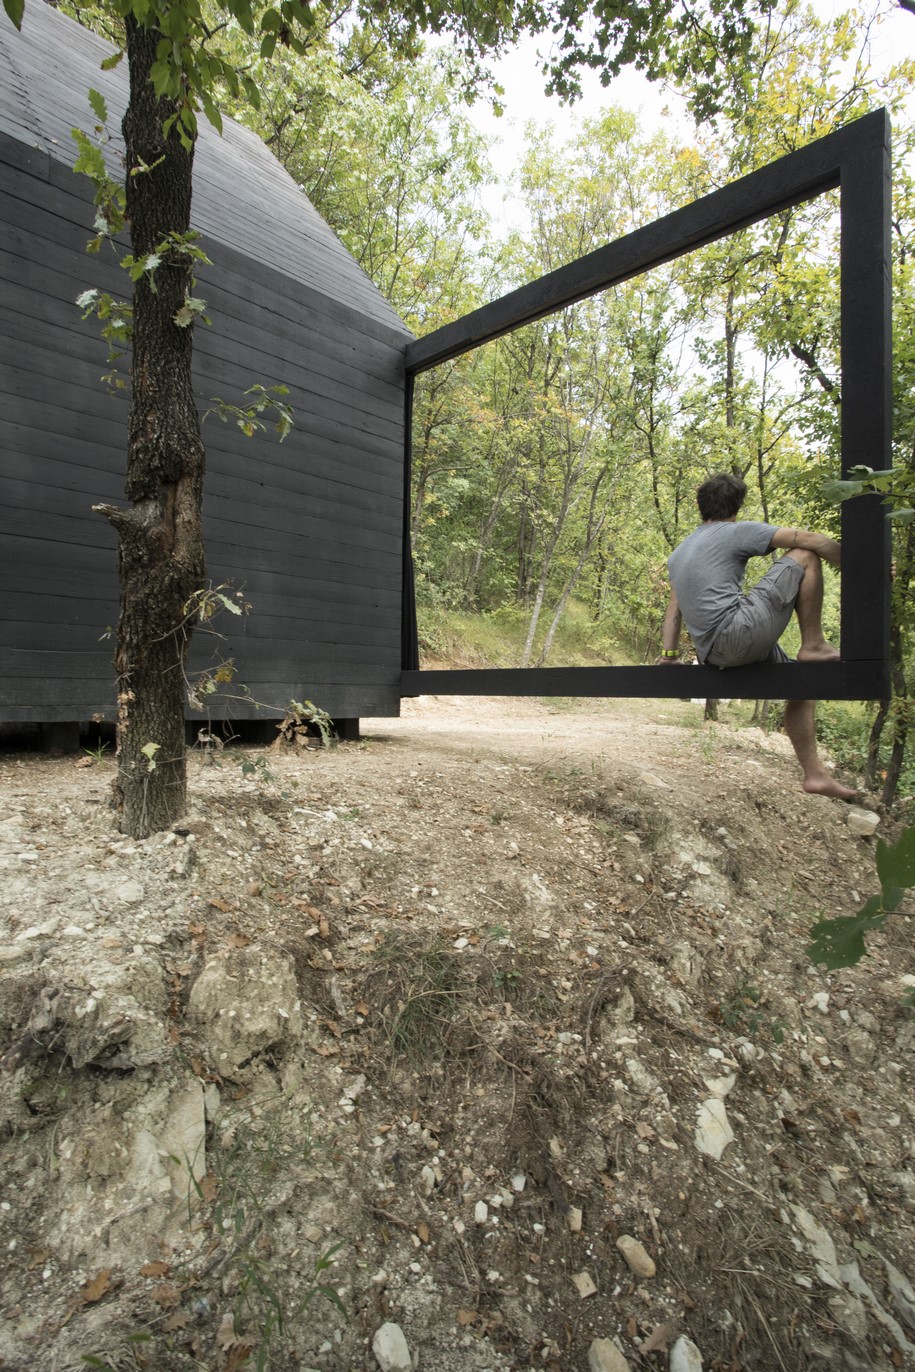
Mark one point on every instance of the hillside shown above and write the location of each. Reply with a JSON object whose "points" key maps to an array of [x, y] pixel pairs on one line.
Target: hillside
{"points": [[454, 1010]]}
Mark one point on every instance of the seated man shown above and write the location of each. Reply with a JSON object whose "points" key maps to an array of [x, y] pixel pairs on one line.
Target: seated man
{"points": [[730, 628]]}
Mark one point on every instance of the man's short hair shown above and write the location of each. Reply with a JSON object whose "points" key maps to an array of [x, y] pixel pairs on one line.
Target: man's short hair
{"points": [[721, 496]]}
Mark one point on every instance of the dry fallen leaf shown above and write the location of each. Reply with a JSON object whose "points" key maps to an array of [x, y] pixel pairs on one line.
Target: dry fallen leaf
{"points": [[361, 1008], [422, 1230], [209, 1187], [176, 1321], [658, 1339], [166, 1295], [467, 1317], [219, 904], [225, 1334], [238, 940], [238, 1356], [94, 1289], [84, 762], [155, 1269]]}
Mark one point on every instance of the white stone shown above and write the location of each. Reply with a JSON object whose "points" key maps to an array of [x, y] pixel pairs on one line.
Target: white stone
{"points": [[713, 1130], [390, 1349], [519, 1181], [10, 955], [721, 1086], [685, 1356], [130, 893], [584, 1284], [182, 1139], [604, 1356], [640, 1077], [637, 1258], [427, 1180], [257, 984], [480, 1212], [573, 1219], [862, 823]]}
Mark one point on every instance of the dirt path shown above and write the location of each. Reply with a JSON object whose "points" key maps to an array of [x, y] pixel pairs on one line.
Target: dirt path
{"points": [[510, 1002]]}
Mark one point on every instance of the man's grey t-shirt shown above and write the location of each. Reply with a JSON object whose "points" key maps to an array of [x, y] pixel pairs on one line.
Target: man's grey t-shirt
{"points": [[707, 571]]}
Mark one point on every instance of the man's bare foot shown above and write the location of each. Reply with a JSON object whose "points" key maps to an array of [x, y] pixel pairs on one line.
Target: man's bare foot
{"points": [[818, 652], [826, 785]]}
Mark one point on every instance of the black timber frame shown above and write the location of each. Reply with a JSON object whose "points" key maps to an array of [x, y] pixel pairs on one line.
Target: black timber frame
{"points": [[856, 159]]}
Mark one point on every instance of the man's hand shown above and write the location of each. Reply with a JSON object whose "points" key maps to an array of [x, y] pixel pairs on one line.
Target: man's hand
{"points": [[670, 632]]}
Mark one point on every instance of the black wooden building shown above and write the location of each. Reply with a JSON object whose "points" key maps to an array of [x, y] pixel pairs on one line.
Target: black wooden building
{"points": [[310, 529]]}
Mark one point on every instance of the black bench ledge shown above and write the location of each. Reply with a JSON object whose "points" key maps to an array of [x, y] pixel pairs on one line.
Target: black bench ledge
{"points": [[864, 680]]}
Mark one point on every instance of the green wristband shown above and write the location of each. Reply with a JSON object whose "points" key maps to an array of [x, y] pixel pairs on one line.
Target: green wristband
{"points": [[670, 652]]}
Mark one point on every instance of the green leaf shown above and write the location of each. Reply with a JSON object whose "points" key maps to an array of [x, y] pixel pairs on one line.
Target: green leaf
{"points": [[111, 62], [903, 515], [15, 9], [872, 474], [211, 110], [896, 867], [189, 311], [840, 942], [149, 751], [837, 491], [99, 108], [268, 45]]}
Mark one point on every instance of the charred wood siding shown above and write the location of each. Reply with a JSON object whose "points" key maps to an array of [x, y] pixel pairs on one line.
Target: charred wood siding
{"points": [[310, 530]]}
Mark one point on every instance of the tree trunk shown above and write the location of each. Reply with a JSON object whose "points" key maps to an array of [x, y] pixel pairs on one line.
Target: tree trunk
{"points": [[872, 762], [899, 713], [533, 622], [160, 552]]}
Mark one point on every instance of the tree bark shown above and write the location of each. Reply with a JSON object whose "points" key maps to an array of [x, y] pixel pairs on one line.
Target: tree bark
{"points": [[160, 549]]}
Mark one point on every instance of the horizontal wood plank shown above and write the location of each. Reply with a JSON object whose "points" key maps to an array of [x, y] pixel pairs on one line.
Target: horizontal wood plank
{"points": [[799, 176], [761, 681]]}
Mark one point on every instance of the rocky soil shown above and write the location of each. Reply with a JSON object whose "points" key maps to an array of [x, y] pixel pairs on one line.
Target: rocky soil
{"points": [[487, 1043]]}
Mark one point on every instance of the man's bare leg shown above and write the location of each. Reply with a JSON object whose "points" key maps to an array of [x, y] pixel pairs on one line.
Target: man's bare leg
{"points": [[809, 610], [800, 726]]}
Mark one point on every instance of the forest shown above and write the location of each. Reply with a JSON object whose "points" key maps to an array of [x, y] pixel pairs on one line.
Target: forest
{"points": [[554, 470]]}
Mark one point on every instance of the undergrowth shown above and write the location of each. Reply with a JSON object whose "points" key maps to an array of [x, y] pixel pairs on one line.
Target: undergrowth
{"points": [[496, 638]]}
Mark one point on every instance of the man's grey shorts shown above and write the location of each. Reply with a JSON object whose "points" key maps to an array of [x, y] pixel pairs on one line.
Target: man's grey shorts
{"points": [[752, 633]]}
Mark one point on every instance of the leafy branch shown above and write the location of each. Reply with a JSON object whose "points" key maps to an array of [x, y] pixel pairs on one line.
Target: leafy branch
{"points": [[895, 484], [840, 942], [248, 417]]}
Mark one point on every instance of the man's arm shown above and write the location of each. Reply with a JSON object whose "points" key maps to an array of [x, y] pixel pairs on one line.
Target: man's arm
{"points": [[826, 548], [670, 632]]}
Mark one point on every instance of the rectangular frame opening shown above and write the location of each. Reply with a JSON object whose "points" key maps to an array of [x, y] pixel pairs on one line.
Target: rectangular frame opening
{"points": [[856, 159]]}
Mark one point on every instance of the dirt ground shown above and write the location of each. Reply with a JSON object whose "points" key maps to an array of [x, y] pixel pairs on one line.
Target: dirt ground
{"points": [[496, 1027]]}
